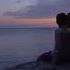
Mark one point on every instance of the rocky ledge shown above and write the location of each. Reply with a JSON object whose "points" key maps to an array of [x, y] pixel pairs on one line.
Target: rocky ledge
{"points": [[40, 66], [44, 62], [32, 66]]}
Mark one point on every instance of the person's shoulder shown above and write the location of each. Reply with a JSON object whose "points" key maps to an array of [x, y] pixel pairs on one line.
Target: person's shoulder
{"points": [[62, 30]]}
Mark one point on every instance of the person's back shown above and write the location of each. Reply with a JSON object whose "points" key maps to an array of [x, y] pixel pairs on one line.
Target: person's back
{"points": [[62, 46]]}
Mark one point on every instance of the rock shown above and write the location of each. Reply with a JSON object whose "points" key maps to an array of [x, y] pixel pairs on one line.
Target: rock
{"points": [[40, 66], [45, 57]]}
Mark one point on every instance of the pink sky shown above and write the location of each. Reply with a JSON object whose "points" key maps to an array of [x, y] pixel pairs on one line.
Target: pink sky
{"points": [[46, 9], [28, 21]]}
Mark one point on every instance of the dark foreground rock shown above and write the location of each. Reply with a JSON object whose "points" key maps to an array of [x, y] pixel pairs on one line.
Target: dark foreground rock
{"points": [[32, 66], [40, 66], [44, 62], [45, 57]]}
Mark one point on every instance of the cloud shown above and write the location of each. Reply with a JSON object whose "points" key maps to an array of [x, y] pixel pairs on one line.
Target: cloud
{"points": [[43, 8], [20, 1]]}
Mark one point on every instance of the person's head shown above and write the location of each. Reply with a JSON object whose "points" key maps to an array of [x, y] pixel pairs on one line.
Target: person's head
{"points": [[61, 20]]}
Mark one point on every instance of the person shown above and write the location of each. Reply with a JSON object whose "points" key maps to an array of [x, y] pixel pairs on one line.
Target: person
{"points": [[62, 39]]}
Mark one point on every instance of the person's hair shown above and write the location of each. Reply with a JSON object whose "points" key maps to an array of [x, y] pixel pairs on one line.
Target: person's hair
{"points": [[61, 19]]}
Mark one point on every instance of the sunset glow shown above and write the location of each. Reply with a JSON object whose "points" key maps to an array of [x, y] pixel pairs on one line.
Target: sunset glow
{"points": [[31, 12], [27, 21]]}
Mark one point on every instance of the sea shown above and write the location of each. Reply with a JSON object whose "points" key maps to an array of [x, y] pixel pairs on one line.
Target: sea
{"points": [[21, 45]]}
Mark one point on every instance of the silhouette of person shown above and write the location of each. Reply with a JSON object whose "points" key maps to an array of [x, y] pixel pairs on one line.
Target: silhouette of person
{"points": [[61, 20], [62, 38]]}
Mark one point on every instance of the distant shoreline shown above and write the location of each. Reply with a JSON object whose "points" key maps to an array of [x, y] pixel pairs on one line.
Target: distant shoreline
{"points": [[28, 28]]}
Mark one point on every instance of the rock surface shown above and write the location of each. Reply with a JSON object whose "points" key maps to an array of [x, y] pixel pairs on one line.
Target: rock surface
{"points": [[45, 57], [40, 66], [31, 66]]}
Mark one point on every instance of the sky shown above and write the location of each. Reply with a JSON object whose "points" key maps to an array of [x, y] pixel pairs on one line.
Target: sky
{"points": [[32, 13]]}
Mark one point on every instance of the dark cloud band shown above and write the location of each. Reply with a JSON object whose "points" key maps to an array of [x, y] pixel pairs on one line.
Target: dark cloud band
{"points": [[44, 8]]}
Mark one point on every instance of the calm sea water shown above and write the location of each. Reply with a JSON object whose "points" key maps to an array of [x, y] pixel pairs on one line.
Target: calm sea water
{"points": [[20, 45]]}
